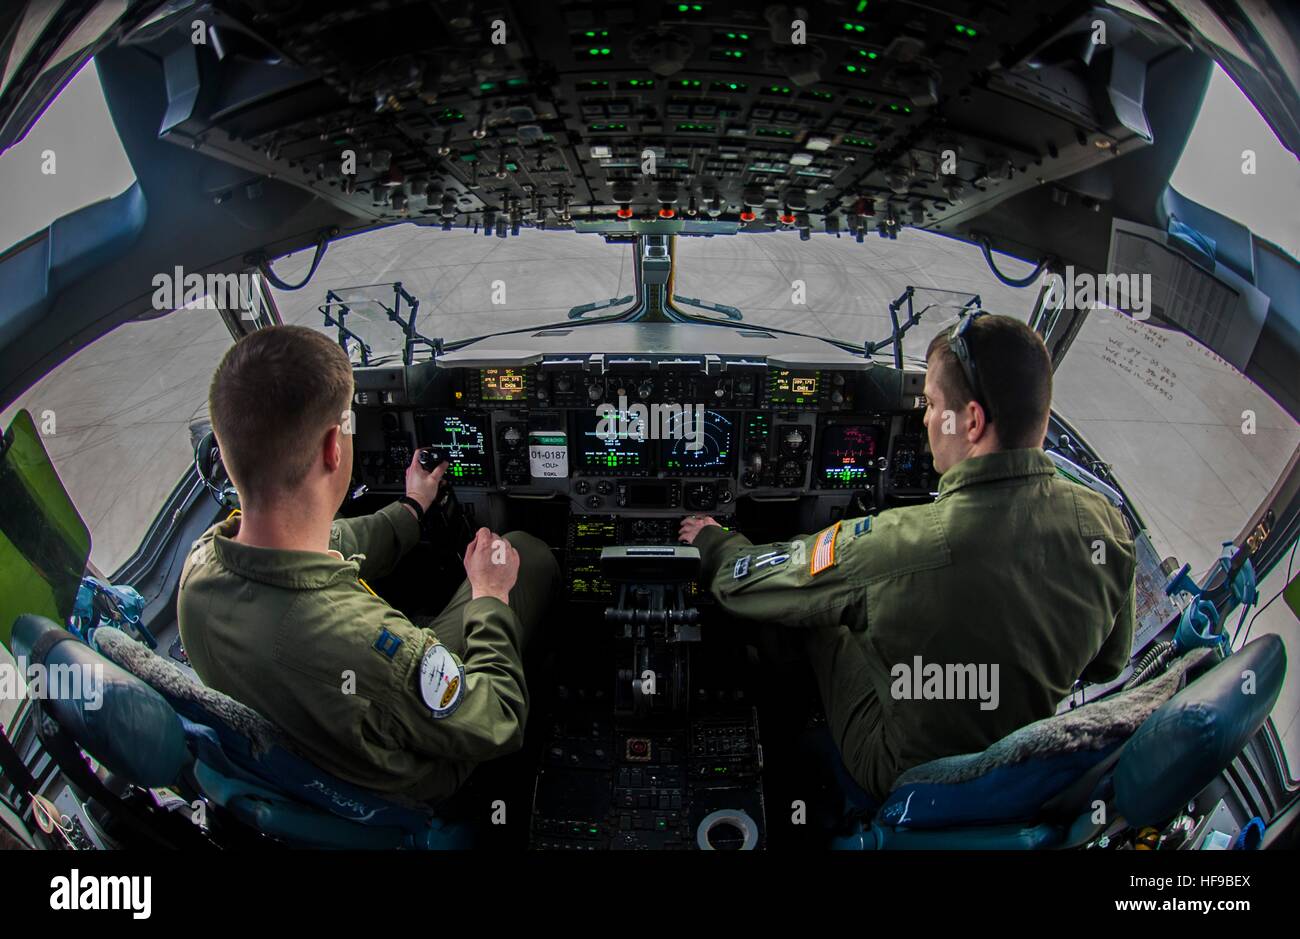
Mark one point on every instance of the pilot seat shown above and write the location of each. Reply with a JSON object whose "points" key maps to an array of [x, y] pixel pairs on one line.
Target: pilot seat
{"points": [[1140, 755], [206, 743]]}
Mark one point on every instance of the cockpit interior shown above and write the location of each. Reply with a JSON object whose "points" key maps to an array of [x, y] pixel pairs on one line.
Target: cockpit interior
{"points": [[266, 137]]}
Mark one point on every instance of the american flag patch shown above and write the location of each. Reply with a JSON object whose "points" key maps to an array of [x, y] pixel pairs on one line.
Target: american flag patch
{"points": [[824, 555]]}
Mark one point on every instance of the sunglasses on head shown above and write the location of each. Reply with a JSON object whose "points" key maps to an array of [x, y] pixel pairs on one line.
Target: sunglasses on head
{"points": [[961, 349]]}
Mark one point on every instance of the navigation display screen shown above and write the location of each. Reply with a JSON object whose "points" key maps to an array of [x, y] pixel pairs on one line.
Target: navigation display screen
{"points": [[848, 453], [463, 437], [694, 450], [503, 384], [790, 387], [617, 444]]}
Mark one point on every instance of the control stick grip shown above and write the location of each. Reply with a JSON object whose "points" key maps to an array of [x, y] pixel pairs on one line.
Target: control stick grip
{"points": [[430, 457]]}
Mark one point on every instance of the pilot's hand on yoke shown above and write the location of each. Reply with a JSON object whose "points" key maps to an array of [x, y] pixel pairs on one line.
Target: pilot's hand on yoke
{"points": [[421, 484], [691, 526], [491, 565]]}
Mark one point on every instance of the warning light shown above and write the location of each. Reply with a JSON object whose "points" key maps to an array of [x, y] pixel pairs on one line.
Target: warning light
{"points": [[624, 211], [667, 213], [747, 216], [787, 219]]}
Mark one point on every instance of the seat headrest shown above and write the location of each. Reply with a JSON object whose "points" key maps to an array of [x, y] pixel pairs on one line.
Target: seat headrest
{"points": [[1180, 748], [111, 714]]}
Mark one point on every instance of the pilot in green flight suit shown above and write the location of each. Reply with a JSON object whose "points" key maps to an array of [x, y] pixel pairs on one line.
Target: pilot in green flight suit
{"points": [[937, 629], [274, 609]]}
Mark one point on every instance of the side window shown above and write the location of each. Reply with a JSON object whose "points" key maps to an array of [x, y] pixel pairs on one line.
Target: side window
{"points": [[115, 420], [1233, 163], [70, 159], [1195, 443]]}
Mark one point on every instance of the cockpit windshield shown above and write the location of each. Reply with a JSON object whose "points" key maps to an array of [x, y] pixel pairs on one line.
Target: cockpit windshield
{"points": [[463, 284], [837, 288]]}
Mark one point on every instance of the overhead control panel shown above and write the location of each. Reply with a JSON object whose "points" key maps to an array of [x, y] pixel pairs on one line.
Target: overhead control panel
{"points": [[511, 116]]}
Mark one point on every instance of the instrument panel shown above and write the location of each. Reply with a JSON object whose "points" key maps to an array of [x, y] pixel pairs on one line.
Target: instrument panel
{"points": [[623, 453], [663, 438]]}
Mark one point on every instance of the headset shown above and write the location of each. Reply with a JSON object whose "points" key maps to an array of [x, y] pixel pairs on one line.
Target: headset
{"points": [[207, 458]]}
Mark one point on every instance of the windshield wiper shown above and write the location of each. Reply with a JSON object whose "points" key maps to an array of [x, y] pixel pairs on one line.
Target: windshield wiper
{"points": [[730, 312], [578, 312]]}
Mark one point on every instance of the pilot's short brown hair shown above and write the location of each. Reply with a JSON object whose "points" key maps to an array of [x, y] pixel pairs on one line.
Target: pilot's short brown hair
{"points": [[1014, 371], [274, 394]]}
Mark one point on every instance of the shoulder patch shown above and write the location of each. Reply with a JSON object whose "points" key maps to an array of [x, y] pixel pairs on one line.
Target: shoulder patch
{"points": [[387, 644], [824, 551], [741, 568], [862, 526], [442, 681]]}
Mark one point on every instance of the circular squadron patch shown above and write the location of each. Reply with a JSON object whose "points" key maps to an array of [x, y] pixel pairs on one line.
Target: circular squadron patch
{"points": [[442, 681]]}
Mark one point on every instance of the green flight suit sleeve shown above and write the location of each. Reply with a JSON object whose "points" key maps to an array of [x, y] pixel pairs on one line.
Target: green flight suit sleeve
{"points": [[489, 720], [1115, 651], [383, 537], [776, 583]]}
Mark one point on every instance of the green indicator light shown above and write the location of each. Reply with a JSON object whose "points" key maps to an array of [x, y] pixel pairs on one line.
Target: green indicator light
{"points": [[697, 7], [604, 52], [682, 7], [487, 86], [851, 68], [593, 52], [862, 5], [590, 34], [744, 35]]}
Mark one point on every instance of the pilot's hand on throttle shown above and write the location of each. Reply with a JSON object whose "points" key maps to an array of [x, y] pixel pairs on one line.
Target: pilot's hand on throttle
{"points": [[691, 526], [421, 484], [491, 565]]}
